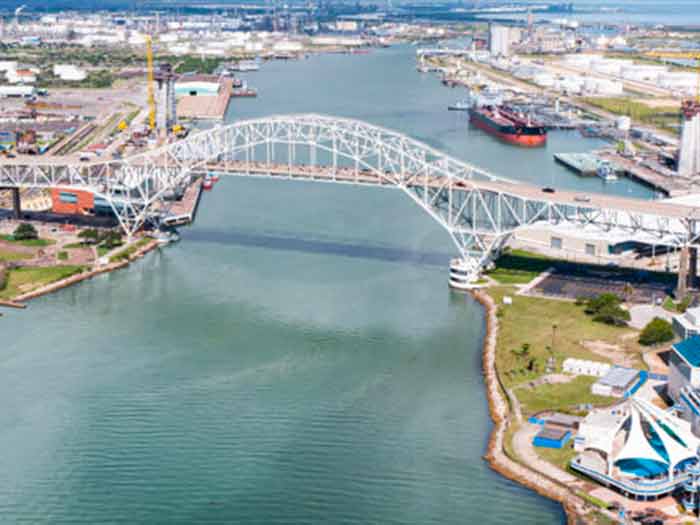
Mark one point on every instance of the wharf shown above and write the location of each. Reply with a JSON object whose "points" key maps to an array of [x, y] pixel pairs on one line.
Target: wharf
{"points": [[206, 107], [184, 211], [671, 186], [581, 163]]}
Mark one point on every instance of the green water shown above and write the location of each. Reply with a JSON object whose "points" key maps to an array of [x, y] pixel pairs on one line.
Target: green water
{"points": [[297, 358]]}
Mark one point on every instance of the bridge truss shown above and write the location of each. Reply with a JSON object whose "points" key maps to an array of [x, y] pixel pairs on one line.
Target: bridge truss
{"points": [[479, 210]]}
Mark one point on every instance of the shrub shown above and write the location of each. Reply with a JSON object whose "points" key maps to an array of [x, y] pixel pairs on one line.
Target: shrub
{"points": [[3, 277], [605, 308], [655, 332], [62, 256], [25, 232], [89, 236]]}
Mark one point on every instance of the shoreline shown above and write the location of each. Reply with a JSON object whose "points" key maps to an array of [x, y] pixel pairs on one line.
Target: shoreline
{"points": [[500, 413], [20, 300]]}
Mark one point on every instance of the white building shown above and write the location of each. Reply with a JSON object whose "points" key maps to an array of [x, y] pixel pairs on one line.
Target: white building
{"points": [[688, 323], [584, 367], [616, 383], [69, 72], [17, 91], [499, 40]]}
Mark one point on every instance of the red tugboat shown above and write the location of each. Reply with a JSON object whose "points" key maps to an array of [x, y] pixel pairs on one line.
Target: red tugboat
{"points": [[508, 126]]}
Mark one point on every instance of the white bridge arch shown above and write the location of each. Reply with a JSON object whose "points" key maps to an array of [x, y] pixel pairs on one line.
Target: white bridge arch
{"points": [[479, 210]]}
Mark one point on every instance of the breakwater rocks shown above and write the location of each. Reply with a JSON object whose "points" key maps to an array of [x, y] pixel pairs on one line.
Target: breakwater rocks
{"points": [[500, 412]]}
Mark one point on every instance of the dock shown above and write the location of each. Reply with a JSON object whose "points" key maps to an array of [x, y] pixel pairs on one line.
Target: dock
{"points": [[581, 163], [206, 107], [669, 185], [184, 211]]}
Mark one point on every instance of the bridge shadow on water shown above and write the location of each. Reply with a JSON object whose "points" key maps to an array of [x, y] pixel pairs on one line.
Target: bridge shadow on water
{"points": [[315, 246]]}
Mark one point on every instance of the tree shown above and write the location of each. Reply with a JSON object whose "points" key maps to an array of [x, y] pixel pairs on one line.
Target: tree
{"points": [[89, 236], [599, 302], [111, 239], [25, 232], [606, 308], [657, 331]]}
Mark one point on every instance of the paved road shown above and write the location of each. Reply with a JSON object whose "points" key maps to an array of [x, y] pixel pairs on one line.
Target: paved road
{"points": [[642, 314]]}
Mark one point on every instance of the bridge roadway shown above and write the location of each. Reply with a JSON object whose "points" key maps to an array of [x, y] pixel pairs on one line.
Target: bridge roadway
{"points": [[368, 177]]}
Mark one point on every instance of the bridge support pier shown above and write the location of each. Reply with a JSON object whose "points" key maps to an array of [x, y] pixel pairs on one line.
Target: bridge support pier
{"points": [[463, 276], [687, 270], [693, 267], [16, 204]]}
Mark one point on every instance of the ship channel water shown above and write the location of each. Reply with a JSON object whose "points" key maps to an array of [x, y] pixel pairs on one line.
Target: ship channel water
{"points": [[296, 358]]}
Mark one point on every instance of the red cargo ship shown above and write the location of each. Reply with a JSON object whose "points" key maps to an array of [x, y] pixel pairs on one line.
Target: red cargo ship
{"points": [[508, 126]]}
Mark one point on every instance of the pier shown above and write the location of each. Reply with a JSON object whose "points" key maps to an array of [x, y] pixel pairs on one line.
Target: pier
{"points": [[581, 163]]}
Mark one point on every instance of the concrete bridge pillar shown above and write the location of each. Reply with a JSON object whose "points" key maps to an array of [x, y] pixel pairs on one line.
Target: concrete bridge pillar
{"points": [[682, 287], [16, 203]]}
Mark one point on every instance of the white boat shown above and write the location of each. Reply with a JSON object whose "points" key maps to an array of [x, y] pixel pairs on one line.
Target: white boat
{"points": [[246, 65], [606, 171], [166, 237], [460, 105]]}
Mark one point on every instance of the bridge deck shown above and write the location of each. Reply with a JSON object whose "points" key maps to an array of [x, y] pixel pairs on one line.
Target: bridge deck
{"points": [[349, 175], [528, 191]]}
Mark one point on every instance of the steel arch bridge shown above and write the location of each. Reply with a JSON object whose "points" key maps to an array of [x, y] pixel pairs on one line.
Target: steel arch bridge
{"points": [[479, 210]]}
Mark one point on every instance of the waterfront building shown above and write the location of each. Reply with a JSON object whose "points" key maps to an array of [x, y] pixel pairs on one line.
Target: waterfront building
{"points": [[552, 437], [684, 367], [499, 40], [638, 449], [687, 324], [618, 382], [584, 367]]}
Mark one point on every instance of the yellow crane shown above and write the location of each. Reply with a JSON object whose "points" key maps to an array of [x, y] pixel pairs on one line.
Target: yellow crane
{"points": [[151, 81], [684, 55]]}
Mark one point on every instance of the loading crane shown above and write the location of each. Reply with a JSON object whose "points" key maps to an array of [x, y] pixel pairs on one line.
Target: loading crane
{"points": [[684, 55]]}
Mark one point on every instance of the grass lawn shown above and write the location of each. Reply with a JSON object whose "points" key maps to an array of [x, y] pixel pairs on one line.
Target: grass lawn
{"points": [[562, 397], [561, 457], [662, 117], [531, 321], [21, 280], [519, 267], [7, 256], [127, 252], [36, 243]]}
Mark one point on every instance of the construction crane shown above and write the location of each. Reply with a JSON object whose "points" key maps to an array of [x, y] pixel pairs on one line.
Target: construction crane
{"points": [[151, 82], [683, 55]]}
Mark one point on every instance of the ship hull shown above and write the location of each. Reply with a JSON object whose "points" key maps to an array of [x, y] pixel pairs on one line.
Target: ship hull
{"points": [[523, 139]]}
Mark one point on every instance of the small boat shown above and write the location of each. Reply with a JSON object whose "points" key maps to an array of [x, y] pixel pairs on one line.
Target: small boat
{"points": [[461, 105], [208, 183], [164, 237], [606, 171], [214, 177]]}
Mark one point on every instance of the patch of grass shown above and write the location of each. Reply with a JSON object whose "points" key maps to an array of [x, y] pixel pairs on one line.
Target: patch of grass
{"points": [[667, 118], [593, 500], [7, 256], [561, 457], [62, 256], [519, 267], [76, 245], [21, 280], [125, 254], [561, 397], [534, 328], [32, 243]]}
